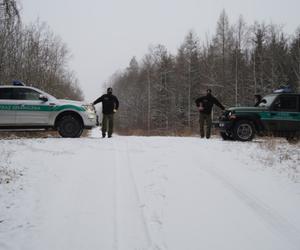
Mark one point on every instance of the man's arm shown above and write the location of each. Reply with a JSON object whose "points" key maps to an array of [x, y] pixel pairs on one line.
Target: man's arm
{"points": [[100, 99], [116, 103], [216, 102]]}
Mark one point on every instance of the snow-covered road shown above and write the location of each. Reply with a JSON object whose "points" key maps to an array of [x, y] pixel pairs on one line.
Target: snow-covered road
{"points": [[147, 193]]}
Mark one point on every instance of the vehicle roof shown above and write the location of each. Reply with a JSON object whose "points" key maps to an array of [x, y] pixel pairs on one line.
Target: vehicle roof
{"points": [[275, 94], [21, 87], [16, 86]]}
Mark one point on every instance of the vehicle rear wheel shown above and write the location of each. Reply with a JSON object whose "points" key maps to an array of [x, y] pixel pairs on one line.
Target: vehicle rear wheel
{"points": [[226, 137], [293, 138], [69, 126], [243, 131]]}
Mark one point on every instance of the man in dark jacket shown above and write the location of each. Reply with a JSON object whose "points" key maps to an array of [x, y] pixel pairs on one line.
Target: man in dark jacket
{"points": [[258, 99], [110, 105], [205, 105]]}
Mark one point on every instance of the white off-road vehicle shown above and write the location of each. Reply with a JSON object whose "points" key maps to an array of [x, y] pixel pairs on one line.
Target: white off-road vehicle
{"points": [[23, 108]]}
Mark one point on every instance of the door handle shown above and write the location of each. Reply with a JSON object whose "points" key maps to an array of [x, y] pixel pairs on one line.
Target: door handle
{"points": [[273, 113]]}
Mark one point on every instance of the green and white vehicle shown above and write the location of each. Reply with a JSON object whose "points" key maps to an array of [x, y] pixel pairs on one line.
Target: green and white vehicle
{"points": [[27, 108], [278, 115]]}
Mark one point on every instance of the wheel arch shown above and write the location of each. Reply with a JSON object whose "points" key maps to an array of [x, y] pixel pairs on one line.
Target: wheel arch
{"points": [[253, 118]]}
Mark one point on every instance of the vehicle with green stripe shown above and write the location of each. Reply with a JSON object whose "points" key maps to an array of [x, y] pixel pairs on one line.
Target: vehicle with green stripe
{"points": [[278, 115], [24, 107]]}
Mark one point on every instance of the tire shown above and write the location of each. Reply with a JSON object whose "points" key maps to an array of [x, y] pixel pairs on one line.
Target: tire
{"points": [[293, 138], [70, 127], [243, 131], [226, 137]]}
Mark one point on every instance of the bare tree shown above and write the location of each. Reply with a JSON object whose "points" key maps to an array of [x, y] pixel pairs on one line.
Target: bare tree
{"points": [[34, 55], [237, 62], [295, 61]]}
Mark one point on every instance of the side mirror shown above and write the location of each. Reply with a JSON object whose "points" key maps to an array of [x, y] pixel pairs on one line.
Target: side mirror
{"points": [[43, 98], [263, 101]]}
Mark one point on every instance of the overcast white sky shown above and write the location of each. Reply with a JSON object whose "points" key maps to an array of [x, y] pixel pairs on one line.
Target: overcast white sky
{"points": [[104, 35]]}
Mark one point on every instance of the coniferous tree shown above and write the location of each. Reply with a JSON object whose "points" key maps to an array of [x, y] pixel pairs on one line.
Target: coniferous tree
{"points": [[236, 63], [294, 54]]}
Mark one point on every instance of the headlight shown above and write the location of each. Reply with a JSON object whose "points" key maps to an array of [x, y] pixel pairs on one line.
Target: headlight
{"points": [[89, 108]]}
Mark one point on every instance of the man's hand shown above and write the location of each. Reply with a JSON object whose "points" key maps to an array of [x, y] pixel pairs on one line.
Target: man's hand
{"points": [[115, 110]]}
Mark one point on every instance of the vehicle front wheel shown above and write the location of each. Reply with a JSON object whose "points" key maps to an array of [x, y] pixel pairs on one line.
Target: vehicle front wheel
{"points": [[69, 126], [243, 131]]}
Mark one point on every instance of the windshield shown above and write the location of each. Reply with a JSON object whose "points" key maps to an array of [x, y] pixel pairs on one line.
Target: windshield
{"points": [[267, 101]]}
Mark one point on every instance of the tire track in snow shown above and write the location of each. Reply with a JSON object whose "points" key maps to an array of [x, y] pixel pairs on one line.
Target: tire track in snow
{"points": [[155, 222], [122, 160], [155, 190], [138, 198], [276, 222], [115, 200]]}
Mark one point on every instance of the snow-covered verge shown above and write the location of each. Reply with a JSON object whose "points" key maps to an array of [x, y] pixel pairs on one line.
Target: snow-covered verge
{"points": [[152, 193], [281, 156]]}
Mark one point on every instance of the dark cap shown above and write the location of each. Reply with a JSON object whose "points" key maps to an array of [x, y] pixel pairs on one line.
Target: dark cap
{"points": [[109, 90]]}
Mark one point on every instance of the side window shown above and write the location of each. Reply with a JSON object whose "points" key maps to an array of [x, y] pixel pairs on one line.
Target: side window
{"points": [[286, 103], [5, 93], [26, 94]]}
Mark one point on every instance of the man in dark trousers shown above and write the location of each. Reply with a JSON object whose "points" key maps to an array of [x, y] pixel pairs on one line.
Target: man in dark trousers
{"points": [[205, 105], [110, 105]]}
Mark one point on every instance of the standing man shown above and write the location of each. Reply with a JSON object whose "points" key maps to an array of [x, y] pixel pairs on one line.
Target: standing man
{"points": [[205, 105], [258, 99], [110, 105]]}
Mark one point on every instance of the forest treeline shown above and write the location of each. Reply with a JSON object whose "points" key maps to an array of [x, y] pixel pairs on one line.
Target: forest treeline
{"points": [[34, 55], [157, 93]]}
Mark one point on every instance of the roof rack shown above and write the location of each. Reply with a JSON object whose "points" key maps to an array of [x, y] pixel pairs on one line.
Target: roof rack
{"points": [[18, 83], [284, 89]]}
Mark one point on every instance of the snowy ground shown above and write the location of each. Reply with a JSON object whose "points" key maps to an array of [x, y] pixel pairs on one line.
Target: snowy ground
{"points": [[148, 193]]}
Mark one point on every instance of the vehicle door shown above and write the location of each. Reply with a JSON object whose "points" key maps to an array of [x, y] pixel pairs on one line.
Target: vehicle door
{"points": [[7, 112], [31, 110], [285, 111]]}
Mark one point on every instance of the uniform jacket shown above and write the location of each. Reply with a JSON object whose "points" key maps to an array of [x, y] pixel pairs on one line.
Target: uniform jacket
{"points": [[207, 102], [109, 103]]}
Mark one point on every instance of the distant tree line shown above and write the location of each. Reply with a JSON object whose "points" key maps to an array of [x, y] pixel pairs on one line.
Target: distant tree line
{"points": [[157, 94], [34, 55]]}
